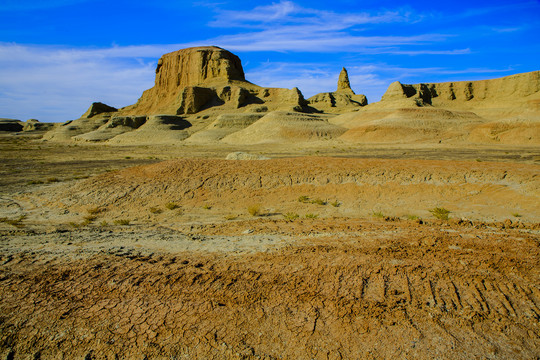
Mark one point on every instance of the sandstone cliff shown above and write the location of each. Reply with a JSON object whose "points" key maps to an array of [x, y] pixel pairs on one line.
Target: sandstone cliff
{"points": [[504, 111], [190, 80], [519, 88]]}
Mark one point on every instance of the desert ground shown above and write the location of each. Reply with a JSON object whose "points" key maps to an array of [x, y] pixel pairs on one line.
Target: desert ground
{"points": [[318, 252], [218, 219]]}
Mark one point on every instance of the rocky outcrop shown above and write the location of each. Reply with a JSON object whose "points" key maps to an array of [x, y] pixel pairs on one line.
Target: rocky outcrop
{"points": [[98, 108], [343, 84], [11, 125], [195, 66], [192, 80], [342, 99], [157, 129], [510, 88], [286, 127], [36, 125], [115, 126]]}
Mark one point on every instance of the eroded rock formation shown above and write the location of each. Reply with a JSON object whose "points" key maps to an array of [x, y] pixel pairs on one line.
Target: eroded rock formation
{"points": [[343, 98], [191, 80], [510, 88]]}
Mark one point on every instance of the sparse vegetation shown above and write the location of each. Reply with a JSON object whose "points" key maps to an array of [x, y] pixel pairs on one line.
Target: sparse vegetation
{"points": [[103, 223], [318, 201], [335, 203], [440, 213], [86, 222], [378, 214], [171, 206], [230, 217], [311, 216], [254, 210], [206, 207], [303, 199], [412, 217], [74, 225], [122, 222], [52, 180], [155, 210], [89, 218], [518, 215], [15, 222], [291, 216], [34, 182], [95, 210]]}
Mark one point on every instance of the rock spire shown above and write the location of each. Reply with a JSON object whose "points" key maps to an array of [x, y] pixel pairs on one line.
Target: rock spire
{"points": [[343, 84]]}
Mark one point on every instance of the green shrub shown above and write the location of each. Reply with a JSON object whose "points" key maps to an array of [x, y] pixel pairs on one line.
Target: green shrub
{"points": [[172, 205], [254, 210], [95, 210], [335, 203], [440, 213], [311, 216], [156, 210], [378, 214], [122, 222], [15, 222], [303, 199], [318, 201], [291, 216], [412, 217], [34, 182], [206, 207]]}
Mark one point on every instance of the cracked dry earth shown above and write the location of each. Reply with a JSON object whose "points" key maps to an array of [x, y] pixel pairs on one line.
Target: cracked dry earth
{"points": [[350, 289], [192, 285]]}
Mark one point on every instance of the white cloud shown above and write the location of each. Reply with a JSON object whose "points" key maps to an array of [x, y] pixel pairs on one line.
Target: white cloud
{"points": [[287, 13], [288, 27], [55, 84]]}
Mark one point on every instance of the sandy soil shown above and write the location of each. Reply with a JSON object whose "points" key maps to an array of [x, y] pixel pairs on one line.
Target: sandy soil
{"points": [[375, 276]]}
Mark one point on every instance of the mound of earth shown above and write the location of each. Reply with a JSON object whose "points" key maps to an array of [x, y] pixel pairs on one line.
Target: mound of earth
{"points": [[158, 129], [280, 126], [358, 188], [224, 125], [501, 111], [97, 115], [407, 125], [115, 126], [12, 125]]}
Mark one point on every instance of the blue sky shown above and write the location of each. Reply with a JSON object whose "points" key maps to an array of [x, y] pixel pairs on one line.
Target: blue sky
{"points": [[57, 57]]}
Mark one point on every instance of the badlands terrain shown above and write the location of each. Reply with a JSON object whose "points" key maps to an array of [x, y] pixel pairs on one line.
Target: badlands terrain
{"points": [[217, 219]]}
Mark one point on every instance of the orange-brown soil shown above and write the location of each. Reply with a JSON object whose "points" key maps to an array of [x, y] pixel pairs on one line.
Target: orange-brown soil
{"points": [[367, 272], [335, 289]]}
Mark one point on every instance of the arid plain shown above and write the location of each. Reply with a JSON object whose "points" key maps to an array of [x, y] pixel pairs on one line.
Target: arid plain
{"points": [[216, 219]]}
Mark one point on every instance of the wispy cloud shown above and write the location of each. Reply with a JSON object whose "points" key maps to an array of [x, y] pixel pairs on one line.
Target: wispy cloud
{"points": [[286, 26], [287, 13], [55, 84]]}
